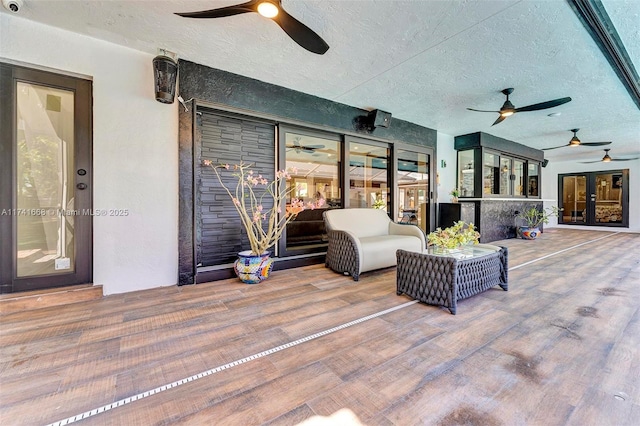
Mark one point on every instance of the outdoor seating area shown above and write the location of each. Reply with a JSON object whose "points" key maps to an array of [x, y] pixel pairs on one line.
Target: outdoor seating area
{"points": [[306, 213], [550, 351], [362, 240]]}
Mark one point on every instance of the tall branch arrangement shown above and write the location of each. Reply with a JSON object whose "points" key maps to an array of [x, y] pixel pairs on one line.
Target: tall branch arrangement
{"points": [[264, 227]]}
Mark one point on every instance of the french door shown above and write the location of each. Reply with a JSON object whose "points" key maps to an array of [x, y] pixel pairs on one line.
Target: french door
{"points": [[594, 198], [45, 180]]}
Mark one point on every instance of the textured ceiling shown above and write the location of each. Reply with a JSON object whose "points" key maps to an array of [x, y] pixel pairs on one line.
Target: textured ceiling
{"points": [[424, 61]]}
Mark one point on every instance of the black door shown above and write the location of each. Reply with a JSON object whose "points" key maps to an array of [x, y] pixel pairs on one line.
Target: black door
{"points": [[45, 180], [594, 198]]}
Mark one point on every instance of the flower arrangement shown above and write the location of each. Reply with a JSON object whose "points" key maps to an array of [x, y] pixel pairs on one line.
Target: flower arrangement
{"points": [[264, 227], [457, 235], [534, 217]]}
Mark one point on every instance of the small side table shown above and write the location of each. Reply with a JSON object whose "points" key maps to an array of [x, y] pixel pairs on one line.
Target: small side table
{"points": [[444, 279]]}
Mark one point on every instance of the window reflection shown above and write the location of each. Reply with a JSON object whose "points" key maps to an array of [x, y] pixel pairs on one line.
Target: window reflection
{"points": [[316, 165], [413, 188], [466, 174], [368, 176], [491, 174]]}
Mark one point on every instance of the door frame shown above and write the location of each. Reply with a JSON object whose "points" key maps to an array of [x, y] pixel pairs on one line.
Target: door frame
{"points": [[431, 192], [10, 74], [590, 204]]}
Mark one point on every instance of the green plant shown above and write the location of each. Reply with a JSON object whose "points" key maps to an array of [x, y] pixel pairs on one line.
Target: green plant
{"points": [[264, 227], [379, 202], [534, 217], [455, 192], [454, 236]]}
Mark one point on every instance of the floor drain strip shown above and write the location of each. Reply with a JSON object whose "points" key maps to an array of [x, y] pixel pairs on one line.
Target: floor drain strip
{"points": [[180, 382], [561, 251]]}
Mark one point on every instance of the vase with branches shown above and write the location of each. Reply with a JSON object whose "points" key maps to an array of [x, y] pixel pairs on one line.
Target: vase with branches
{"points": [[250, 195]]}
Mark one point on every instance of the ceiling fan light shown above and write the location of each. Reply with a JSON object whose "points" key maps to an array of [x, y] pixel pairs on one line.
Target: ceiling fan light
{"points": [[268, 9], [574, 141], [506, 113], [606, 158]]}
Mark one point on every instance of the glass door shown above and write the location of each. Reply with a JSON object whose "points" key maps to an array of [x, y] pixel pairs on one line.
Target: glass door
{"points": [[46, 197], [574, 199], [608, 198], [595, 198], [368, 175], [314, 160], [414, 199]]}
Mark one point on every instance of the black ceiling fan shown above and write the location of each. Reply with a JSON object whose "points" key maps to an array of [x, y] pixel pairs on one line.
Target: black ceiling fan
{"points": [[307, 149], [577, 142], [273, 10], [508, 109], [607, 158]]}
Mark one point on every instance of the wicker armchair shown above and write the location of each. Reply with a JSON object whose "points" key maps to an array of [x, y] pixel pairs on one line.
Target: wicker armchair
{"points": [[362, 240]]}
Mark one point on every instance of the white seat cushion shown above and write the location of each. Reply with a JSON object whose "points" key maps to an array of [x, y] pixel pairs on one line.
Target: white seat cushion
{"points": [[380, 251]]}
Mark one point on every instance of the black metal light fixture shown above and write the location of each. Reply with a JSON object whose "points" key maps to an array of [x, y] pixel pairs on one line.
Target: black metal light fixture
{"points": [[165, 72]]}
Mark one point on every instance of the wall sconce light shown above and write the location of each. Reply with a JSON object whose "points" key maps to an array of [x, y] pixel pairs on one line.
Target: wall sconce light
{"points": [[165, 72]]}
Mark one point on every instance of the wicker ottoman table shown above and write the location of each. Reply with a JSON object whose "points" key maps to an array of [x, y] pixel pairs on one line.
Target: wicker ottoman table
{"points": [[444, 279]]}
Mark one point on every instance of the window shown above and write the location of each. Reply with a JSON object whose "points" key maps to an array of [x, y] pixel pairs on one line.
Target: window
{"points": [[466, 173], [518, 178], [314, 163], [491, 173], [368, 176], [533, 173], [503, 175], [413, 188]]}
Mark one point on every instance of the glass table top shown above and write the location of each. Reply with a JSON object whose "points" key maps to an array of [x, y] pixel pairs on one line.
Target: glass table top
{"points": [[464, 252]]}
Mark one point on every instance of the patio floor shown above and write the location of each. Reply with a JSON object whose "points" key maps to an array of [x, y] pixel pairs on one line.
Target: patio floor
{"points": [[560, 347]]}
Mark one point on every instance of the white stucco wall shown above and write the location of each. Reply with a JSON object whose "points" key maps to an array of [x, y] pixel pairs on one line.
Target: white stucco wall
{"points": [[550, 188], [135, 152]]}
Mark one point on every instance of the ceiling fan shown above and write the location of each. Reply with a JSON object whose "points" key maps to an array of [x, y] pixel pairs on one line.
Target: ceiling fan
{"points": [[607, 158], [577, 142], [508, 109], [273, 10], [307, 149]]}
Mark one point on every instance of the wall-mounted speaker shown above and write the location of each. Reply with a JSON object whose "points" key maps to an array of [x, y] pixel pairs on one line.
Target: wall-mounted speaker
{"points": [[545, 162], [379, 118]]}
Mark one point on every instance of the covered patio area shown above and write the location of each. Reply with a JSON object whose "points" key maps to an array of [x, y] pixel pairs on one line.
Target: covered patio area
{"points": [[560, 347]]}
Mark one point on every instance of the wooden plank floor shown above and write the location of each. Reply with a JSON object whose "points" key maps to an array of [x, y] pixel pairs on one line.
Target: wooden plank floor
{"points": [[561, 347]]}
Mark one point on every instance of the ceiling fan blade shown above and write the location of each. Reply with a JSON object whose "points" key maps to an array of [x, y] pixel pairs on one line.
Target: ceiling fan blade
{"points": [[594, 143], [482, 110], [300, 33], [250, 6], [314, 146], [499, 120], [544, 105], [589, 162], [624, 159], [554, 147]]}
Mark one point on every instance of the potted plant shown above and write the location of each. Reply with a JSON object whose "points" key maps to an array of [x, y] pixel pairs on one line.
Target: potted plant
{"points": [[263, 226], [533, 218], [455, 193], [453, 237]]}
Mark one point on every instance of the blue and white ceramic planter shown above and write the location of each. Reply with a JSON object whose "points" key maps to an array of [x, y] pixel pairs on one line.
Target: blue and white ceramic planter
{"points": [[527, 233], [252, 268]]}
